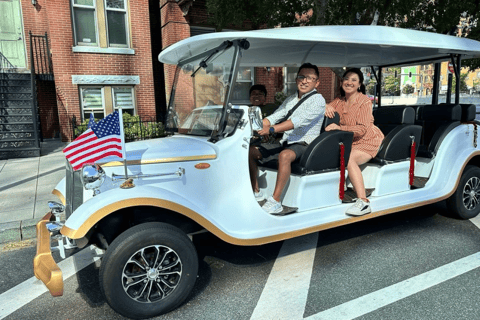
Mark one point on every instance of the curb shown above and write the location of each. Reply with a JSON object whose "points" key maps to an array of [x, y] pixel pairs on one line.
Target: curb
{"points": [[18, 230]]}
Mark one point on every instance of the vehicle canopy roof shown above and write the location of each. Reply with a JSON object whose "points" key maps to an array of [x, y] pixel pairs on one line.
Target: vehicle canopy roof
{"points": [[329, 46]]}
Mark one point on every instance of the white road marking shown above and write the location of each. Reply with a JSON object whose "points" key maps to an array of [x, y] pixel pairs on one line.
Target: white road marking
{"points": [[375, 300], [32, 288], [476, 221], [286, 290]]}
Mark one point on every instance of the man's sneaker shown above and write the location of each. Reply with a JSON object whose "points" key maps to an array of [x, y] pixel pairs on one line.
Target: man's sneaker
{"points": [[259, 196], [272, 206], [360, 208]]}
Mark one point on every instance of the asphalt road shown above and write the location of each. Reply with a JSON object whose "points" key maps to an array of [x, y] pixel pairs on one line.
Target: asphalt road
{"points": [[417, 264]]}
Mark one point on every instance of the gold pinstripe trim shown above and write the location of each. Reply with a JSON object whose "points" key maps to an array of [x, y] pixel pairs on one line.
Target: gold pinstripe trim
{"points": [[97, 216], [159, 160], [59, 195]]}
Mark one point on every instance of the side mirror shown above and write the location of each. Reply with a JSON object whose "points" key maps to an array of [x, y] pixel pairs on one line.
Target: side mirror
{"points": [[255, 116]]}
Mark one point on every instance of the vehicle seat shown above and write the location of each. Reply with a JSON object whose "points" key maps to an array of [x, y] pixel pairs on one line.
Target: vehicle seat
{"points": [[437, 121], [323, 154], [469, 112], [397, 124]]}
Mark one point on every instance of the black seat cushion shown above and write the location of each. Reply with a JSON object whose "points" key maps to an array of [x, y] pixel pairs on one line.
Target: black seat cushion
{"points": [[437, 121], [388, 118], [397, 124], [396, 146], [441, 112], [323, 154], [327, 121], [469, 112]]}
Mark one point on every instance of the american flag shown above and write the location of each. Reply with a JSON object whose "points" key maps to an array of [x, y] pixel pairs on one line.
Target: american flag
{"points": [[103, 139]]}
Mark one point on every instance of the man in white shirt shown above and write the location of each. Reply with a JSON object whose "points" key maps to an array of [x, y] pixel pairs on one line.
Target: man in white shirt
{"points": [[299, 128]]}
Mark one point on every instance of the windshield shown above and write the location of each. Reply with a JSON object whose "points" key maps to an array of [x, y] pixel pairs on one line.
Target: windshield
{"points": [[199, 94]]}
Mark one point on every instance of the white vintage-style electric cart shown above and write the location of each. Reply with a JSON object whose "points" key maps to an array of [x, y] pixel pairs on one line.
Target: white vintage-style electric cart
{"points": [[198, 179]]}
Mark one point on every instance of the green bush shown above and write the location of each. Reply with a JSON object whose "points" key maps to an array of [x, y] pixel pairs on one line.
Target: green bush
{"points": [[133, 126]]}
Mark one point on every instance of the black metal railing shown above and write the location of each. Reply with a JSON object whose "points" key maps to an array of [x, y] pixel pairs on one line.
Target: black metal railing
{"points": [[40, 57], [133, 130], [5, 65]]}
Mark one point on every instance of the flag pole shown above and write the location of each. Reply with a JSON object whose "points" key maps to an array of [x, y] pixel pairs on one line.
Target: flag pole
{"points": [[122, 134]]}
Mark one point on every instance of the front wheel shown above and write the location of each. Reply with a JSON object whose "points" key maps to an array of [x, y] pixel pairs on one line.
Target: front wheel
{"points": [[465, 201], [148, 270]]}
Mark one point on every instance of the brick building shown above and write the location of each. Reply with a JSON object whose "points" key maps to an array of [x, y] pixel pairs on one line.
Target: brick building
{"points": [[103, 56], [101, 53], [184, 18]]}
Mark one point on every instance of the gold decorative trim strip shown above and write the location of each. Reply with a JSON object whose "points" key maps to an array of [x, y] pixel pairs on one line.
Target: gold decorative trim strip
{"points": [[100, 214], [59, 195], [159, 160]]}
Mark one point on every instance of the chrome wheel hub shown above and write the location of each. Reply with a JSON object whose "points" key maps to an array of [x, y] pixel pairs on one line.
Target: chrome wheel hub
{"points": [[151, 274], [471, 193]]}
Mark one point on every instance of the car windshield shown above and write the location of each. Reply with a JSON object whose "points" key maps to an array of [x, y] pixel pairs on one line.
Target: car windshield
{"points": [[199, 93]]}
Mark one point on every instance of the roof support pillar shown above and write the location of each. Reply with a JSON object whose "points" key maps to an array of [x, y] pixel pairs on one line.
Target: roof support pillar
{"points": [[457, 74], [436, 80]]}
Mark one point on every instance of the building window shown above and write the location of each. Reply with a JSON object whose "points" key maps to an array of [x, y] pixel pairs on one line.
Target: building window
{"points": [[123, 97], [104, 100], [100, 23], [92, 100], [245, 78], [290, 85], [85, 22], [116, 23]]}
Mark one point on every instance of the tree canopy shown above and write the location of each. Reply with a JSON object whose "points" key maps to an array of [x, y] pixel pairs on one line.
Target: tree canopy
{"points": [[453, 17]]}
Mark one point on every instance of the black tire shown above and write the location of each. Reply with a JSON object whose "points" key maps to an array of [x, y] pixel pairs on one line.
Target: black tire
{"points": [[124, 271], [465, 201]]}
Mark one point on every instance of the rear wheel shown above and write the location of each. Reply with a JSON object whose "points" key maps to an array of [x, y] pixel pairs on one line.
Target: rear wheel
{"points": [[465, 202], [148, 270]]}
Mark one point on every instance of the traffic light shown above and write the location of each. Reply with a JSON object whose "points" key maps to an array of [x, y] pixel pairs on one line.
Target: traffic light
{"points": [[410, 74]]}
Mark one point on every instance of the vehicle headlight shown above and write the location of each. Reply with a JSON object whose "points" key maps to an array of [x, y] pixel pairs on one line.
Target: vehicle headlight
{"points": [[93, 177]]}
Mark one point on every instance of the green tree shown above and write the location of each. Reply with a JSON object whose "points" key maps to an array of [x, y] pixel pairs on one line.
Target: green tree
{"points": [[408, 89], [451, 17], [463, 83], [370, 88], [269, 13], [392, 83]]}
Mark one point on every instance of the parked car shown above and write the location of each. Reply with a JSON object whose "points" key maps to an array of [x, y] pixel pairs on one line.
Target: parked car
{"points": [[144, 212]]}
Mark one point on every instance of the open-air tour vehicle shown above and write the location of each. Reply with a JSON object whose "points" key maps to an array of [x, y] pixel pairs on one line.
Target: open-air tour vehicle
{"points": [[197, 179]]}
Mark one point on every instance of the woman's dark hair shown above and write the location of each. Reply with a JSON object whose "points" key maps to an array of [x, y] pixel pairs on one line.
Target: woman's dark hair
{"points": [[359, 73], [260, 87]]}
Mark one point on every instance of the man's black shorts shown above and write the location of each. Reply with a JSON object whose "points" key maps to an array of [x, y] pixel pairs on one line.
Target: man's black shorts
{"points": [[270, 151]]}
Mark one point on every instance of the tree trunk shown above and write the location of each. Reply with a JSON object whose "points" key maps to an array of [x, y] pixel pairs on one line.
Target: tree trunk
{"points": [[320, 8]]}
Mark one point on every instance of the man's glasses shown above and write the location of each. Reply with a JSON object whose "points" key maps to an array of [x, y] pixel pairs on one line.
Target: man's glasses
{"points": [[308, 78]]}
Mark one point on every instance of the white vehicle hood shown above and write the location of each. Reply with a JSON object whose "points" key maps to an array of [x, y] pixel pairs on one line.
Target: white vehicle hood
{"points": [[170, 149]]}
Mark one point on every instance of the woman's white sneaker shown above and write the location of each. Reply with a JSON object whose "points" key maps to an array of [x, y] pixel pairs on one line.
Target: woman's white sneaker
{"points": [[272, 206], [259, 196], [360, 208]]}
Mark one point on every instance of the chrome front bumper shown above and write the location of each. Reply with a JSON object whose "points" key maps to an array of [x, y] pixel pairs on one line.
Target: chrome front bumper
{"points": [[44, 266]]}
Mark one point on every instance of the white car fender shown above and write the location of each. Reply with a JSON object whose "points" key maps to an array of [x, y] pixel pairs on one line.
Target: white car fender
{"points": [[98, 207]]}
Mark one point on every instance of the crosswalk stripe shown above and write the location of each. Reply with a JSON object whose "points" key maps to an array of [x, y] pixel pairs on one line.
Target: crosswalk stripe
{"points": [[30, 289], [378, 299], [286, 290]]}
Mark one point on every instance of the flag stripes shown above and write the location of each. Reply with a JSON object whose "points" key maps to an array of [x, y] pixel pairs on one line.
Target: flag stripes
{"points": [[100, 141]]}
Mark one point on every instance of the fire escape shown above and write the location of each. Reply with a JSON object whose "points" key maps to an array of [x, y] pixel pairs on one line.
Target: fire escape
{"points": [[20, 130]]}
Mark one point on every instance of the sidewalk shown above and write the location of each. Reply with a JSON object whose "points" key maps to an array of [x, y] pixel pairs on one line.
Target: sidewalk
{"points": [[25, 187]]}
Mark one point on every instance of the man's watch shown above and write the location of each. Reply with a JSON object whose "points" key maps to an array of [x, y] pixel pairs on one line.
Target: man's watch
{"points": [[272, 130]]}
